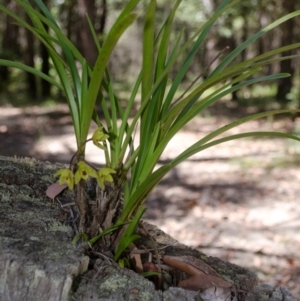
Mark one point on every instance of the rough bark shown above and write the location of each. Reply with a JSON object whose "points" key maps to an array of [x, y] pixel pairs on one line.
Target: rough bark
{"points": [[37, 259], [39, 262]]}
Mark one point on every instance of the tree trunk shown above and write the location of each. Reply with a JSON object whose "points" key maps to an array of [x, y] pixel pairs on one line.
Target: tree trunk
{"points": [[45, 85], [10, 44], [67, 8], [102, 17], [86, 42], [29, 61], [286, 66], [39, 262]]}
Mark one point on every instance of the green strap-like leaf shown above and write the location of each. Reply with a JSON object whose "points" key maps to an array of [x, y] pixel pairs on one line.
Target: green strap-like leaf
{"points": [[99, 70], [128, 237], [31, 70], [145, 187], [199, 147]]}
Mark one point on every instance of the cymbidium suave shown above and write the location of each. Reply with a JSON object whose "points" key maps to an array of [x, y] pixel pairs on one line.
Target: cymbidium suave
{"points": [[155, 109]]}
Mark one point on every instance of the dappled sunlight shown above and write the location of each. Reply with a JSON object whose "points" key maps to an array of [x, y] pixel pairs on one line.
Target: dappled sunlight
{"points": [[237, 201]]}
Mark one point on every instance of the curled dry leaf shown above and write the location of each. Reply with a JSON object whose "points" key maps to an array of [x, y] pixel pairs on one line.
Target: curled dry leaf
{"points": [[176, 262], [203, 282], [195, 262], [200, 279], [54, 190]]}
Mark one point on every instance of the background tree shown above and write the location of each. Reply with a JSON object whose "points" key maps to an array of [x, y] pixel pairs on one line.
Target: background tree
{"points": [[232, 30], [10, 42], [29, 53], [288, 36], [45, 86], [85, 38]]}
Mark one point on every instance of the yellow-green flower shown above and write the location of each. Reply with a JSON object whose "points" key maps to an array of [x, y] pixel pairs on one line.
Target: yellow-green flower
{"points": [[66, 177], [99, 136], [84, 171], [104, 174]]}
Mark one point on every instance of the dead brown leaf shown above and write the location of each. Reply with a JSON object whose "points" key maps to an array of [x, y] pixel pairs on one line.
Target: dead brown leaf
{"points": [[203, 276], [197, 263], [55, 189], [203, 282]]}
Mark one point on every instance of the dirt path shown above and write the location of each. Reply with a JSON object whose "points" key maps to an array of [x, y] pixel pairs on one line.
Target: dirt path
{"points": [[238, 201]]}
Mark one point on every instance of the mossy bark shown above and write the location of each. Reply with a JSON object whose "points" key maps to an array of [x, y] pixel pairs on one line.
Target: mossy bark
{"points": [[39, 262]]}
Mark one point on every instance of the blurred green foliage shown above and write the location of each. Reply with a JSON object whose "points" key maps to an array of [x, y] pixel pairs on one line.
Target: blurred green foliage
{"points": [[232, 29]]}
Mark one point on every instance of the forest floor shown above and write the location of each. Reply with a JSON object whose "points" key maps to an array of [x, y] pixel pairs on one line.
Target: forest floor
{"points": [[237, 201]]}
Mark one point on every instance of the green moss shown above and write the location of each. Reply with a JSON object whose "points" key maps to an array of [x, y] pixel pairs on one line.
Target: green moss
{"points": [[57, 226], [47, 178]]}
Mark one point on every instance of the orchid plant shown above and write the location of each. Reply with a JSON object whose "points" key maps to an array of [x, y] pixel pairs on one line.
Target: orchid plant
{"points": [[130, 174]]}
